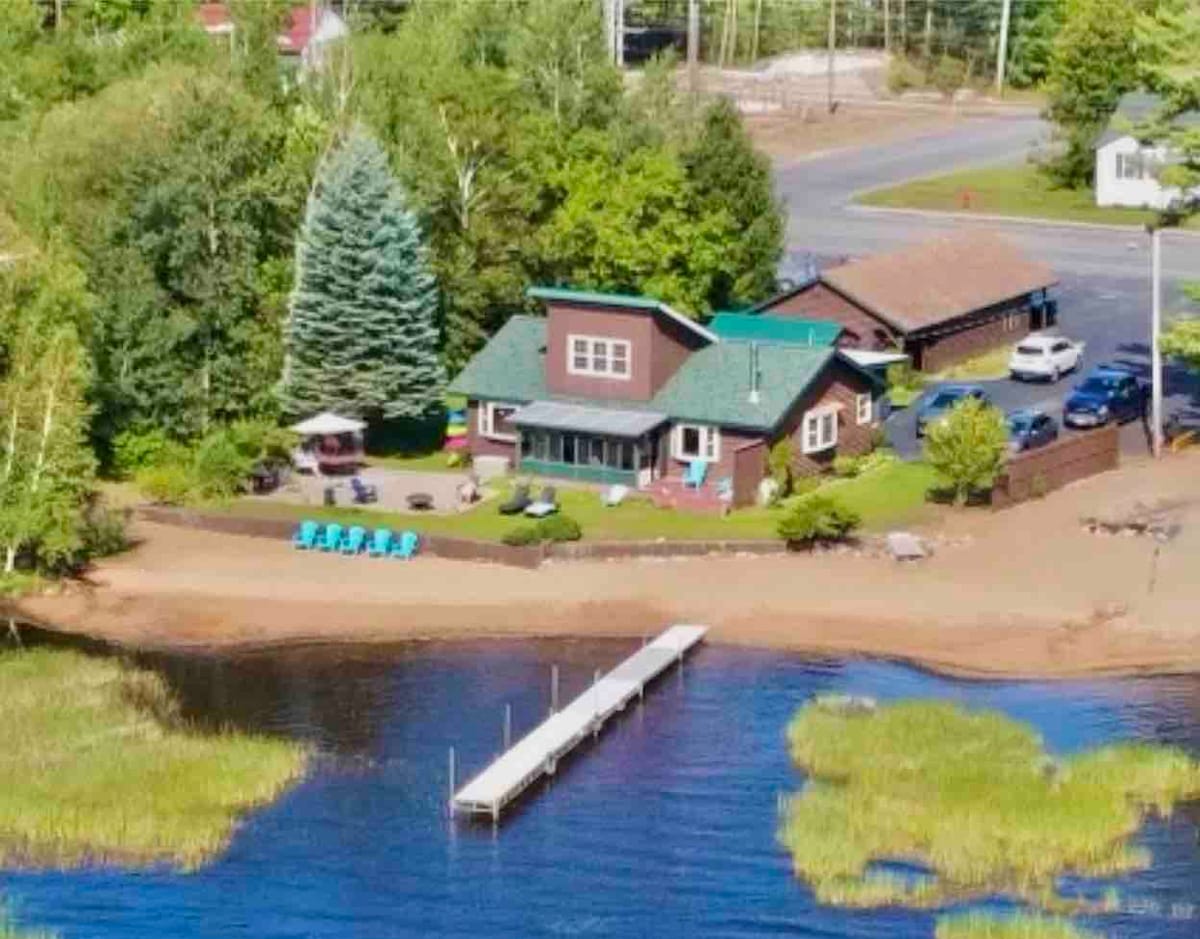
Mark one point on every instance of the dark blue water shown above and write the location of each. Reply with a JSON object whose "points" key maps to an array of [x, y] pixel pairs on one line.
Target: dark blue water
{"points": [[663, 828]]}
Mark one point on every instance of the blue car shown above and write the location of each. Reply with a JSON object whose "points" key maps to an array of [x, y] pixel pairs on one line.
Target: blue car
{"points": [[942, 399], [1029, 429], [1106, 394]]}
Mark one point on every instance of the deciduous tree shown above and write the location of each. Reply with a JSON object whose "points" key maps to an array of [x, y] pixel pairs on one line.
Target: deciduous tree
{"points": [[967, 448]]}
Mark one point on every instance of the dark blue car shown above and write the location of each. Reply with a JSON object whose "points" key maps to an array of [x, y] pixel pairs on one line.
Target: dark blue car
{"points": [[939, 402], [1030, 428], [1106, 394]]}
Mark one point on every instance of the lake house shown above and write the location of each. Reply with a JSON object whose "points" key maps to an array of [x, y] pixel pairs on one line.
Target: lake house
{"points": [[1127, 166], [611, 388]]}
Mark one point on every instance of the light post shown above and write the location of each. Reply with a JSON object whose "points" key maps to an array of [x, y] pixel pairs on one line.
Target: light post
{"points": [[1167, 218]]}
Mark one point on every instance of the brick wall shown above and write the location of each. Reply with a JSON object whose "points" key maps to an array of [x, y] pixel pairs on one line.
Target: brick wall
{"points": [[997, 326], [1039, 471], [839, 386]]}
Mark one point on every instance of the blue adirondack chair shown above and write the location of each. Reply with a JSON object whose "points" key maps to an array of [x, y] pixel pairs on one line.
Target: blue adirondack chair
{"points": [[693, 477], [305, 538], [406, 545], [355, 540], [332, 537], [380, 543]]}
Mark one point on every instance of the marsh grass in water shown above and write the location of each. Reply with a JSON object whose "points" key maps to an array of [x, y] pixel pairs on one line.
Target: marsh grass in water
{"points": [[96, 767], [1019, 926], [9, 929], [971, 797]]}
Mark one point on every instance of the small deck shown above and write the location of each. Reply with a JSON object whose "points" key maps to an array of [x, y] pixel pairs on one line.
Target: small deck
{"points": [[538, 753], [670, 492]]}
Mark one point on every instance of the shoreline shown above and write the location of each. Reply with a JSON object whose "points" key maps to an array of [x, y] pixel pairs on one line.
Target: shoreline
{"points": [[1022, 593]]}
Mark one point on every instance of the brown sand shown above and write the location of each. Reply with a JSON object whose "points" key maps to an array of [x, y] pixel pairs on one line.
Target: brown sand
{"points": [[1024, 592]]}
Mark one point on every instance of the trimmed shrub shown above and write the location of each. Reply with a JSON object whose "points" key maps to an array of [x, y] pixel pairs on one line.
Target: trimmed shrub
{"points": [[847, 467], [169, 484], [780, 462], [522, 535], [903, 75], [559, 528], [222, 464], [818, 518], [134, 451], [968, 447], [103, 532], [803, 485], [949, 75]]}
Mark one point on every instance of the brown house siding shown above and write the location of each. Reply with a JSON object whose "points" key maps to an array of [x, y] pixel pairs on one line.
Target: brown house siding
{"points": [[485, 446], [839, 385], [657, 349], [821, 302], [997, 326]]}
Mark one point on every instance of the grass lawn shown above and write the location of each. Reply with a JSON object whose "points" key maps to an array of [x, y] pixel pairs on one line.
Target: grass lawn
{"points": [[971, 797], [892, 494], [990, 364], [96, 767], [1004, 190], [436, 461]]}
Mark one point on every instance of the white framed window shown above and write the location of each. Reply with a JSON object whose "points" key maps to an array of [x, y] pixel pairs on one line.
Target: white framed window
{"points": [[820, 431], [1131, 166], [862, 408], [696, 442], [600, 357], [494, 421]]}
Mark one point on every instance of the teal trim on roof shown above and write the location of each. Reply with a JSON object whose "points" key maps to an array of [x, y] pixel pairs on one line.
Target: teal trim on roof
{"points": [[711, 387], [757, 327], [594, 297]]}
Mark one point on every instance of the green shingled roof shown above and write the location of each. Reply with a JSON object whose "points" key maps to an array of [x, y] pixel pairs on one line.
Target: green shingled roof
{"points": [[777, 329], [570, 295], [511, 367], [711, 387]]}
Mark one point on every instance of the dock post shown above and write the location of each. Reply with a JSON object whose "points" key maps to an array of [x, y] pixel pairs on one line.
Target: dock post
{"points": [[553, 689], [452, 782], [507, 727]]}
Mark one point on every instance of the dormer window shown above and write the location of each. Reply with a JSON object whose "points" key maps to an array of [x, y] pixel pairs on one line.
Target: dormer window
{"points": [[599, 357]]}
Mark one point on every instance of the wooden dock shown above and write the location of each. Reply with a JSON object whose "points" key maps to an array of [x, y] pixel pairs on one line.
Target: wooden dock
{"points": [[538, 753]]}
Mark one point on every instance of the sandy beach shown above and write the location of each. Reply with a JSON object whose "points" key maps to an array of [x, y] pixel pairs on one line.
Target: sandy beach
{"points": [[1024, 592]]}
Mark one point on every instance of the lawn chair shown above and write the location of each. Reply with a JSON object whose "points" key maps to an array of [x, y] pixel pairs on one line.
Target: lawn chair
{"points": [[405, 547], [364, 493], [693, 477], [518, 502], [380, 543], [332, 537], [614, 495], [305, 538], [355, 540], [546, 504]]}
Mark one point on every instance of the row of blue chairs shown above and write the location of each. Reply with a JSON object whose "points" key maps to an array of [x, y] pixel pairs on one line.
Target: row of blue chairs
{"points": [[333, 538]]}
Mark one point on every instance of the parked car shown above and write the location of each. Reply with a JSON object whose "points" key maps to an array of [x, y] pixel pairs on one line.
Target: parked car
{"points": [[1030, 428], [1108, 393], [1039, 355], [939, 401]]}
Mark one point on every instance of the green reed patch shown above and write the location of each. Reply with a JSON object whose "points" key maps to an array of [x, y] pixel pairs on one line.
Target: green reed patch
{"points": [[971, 797], [1019, 926], [10, 930], [96, 767]]}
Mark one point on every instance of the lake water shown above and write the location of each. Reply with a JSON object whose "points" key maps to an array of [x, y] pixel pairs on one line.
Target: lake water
{"points": [[665, 827]]}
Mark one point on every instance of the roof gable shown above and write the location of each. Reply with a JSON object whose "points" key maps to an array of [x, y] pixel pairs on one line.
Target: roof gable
{"points": [[1138, 107], [935, 281], [621, 300]]}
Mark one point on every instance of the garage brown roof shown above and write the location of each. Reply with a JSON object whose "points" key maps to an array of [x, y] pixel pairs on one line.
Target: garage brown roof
{"points": [[935, 281]]}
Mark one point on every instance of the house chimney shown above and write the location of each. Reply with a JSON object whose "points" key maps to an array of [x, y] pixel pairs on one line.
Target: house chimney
{"points": [[755, 397]]}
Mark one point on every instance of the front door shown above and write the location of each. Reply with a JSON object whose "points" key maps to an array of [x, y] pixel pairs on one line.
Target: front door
{"points": [[647, 457]]}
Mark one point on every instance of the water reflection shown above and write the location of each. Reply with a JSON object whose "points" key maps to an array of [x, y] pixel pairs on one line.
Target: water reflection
{"points": [[665, 827]]}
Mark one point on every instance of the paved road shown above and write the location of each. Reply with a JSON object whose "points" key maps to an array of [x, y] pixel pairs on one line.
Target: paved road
{"points": [[1104, 273]]}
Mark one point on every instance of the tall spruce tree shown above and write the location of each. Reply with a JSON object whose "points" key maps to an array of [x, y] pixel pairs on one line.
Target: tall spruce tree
{"points": [[362, 335]]}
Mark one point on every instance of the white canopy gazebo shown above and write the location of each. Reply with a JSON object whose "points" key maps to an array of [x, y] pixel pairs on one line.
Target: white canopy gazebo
{"points": [[330, 443]]}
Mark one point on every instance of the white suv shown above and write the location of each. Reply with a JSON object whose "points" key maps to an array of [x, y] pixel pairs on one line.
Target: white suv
{"points": [[1042, 356]]}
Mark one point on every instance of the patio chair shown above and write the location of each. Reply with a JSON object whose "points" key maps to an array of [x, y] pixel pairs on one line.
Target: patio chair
{"points": [[614, 495], [305, 538], [380, 543], [355, 540], [406, 545], [693, 477], [363, 492], [518, 502], [546, 504], [332, 537]]}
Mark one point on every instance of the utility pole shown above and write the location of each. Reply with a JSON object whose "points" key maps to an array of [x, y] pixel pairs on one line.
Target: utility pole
{"points": [[1002, 52], [608, 27], [757, 22], [693, 46], [928, 29], [619, 32], [58, 13], [832, 46], [887, 26], [1156, 390]]}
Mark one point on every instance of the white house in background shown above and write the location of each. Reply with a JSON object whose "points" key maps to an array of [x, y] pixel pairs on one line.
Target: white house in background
{"points": [[1127, 168]]}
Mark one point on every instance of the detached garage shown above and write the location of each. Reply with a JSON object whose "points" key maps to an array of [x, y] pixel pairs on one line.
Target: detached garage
{"points": [[939, 301]]}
